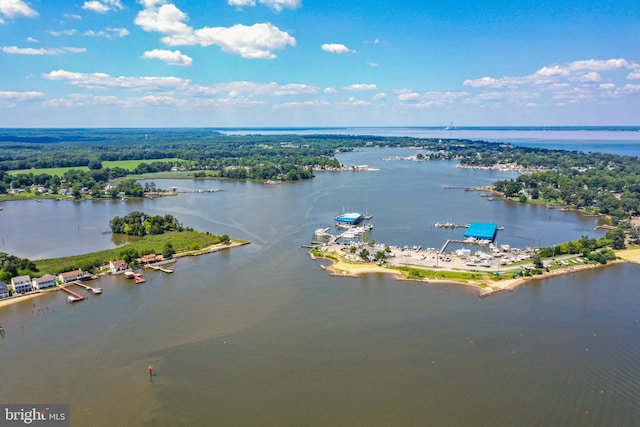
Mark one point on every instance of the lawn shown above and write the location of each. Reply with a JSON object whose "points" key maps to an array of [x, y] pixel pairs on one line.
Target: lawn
{"points": [[124, 164], [181, 241]]}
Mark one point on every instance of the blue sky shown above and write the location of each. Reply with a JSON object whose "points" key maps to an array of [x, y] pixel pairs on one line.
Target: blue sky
{"points": [[297, 63]]}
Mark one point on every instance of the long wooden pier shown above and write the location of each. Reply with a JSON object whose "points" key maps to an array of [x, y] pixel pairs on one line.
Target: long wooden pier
{"points": [[96, 291], [76, 296], [159, 268]]}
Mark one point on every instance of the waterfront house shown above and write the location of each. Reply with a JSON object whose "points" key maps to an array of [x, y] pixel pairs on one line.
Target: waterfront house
{"points": [[4, 290], [118, 266], [21, 284], [46, 281], [70, 276]]}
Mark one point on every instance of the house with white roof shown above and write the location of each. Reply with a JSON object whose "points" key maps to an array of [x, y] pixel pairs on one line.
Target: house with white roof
{"points": [[21, 284], [46, 281]]}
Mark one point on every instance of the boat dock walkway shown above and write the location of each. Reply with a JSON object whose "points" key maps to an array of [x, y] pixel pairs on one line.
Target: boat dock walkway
{"points": [[160, 268], [74, 295], [96, 291]]}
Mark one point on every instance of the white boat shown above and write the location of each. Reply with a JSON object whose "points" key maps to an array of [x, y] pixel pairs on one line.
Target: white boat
{"points": [[96, 291]]}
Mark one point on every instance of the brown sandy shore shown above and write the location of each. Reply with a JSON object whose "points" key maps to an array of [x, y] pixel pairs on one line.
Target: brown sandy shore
{"points": [[486, 286], [207, 250]]}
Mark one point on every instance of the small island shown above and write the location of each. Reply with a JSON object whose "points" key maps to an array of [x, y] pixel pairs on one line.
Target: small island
{"points": [[155, 240]]}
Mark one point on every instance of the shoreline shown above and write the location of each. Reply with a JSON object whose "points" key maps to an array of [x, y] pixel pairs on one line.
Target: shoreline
{"points": [[210, 249], [341, 268]]}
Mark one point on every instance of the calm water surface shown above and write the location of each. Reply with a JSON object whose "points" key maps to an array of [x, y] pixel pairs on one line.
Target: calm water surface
{"points": [[260, 335]]}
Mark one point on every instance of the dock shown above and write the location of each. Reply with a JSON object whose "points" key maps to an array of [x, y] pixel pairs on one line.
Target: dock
{"points": [[160, 268], [96, 291], [74, 295]]}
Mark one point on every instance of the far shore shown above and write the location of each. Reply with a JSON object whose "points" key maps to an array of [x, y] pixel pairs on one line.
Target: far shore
{"points": [[210, 249], [484, 286]]}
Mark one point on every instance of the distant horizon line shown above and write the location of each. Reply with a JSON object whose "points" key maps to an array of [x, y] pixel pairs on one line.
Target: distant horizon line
{"points": [[442, 127]]}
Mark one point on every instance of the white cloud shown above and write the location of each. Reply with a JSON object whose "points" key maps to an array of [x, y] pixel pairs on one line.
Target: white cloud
{"points": [[361, 87], [303, 104], [379, 96], [404, 95], [102, 6], [75, 49], [591, 77], [277, 5], [330, 90], [166, 19], [372, 64], [335, 48], [269, 89], [634, 75], [105, 81], [72, 16], [16, 9], [241, 3], [32, 40], [20, 96], [108, 33], [170, 57], [1, 20], [14, 50], [62, 33], [257, 41], [585, 70], [355, 102]]}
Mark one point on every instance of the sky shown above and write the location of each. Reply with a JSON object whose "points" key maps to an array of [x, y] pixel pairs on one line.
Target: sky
{"points": [[309, 63]]}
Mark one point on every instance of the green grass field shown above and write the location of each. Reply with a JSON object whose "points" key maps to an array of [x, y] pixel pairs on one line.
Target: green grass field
{"points": [[181, 241], [124, 164]]}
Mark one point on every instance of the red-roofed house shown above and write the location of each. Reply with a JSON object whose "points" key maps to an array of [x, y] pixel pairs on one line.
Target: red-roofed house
{"points": [[70, 276], [118, 266]]}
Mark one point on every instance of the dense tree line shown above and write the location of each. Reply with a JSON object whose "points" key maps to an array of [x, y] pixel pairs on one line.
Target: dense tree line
{"points": [[140, 224], [603, 183], [12, 266]]}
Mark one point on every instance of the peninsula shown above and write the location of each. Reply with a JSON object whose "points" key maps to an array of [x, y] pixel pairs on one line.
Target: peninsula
{"points": [[431, 267], [154, 241]]}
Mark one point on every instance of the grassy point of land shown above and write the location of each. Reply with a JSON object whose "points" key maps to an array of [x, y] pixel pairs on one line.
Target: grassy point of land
{"points": [[184, 243]]}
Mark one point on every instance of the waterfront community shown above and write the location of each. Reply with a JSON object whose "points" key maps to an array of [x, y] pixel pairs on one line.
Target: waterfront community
{"points": [[265, 323]]}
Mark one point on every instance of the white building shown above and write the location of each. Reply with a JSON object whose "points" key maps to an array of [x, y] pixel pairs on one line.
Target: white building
{"points": [[46, 281], [21, 284], [117, 267]]}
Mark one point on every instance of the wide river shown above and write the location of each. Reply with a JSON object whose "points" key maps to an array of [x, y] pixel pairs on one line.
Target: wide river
{"points": [[261, 336]]}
